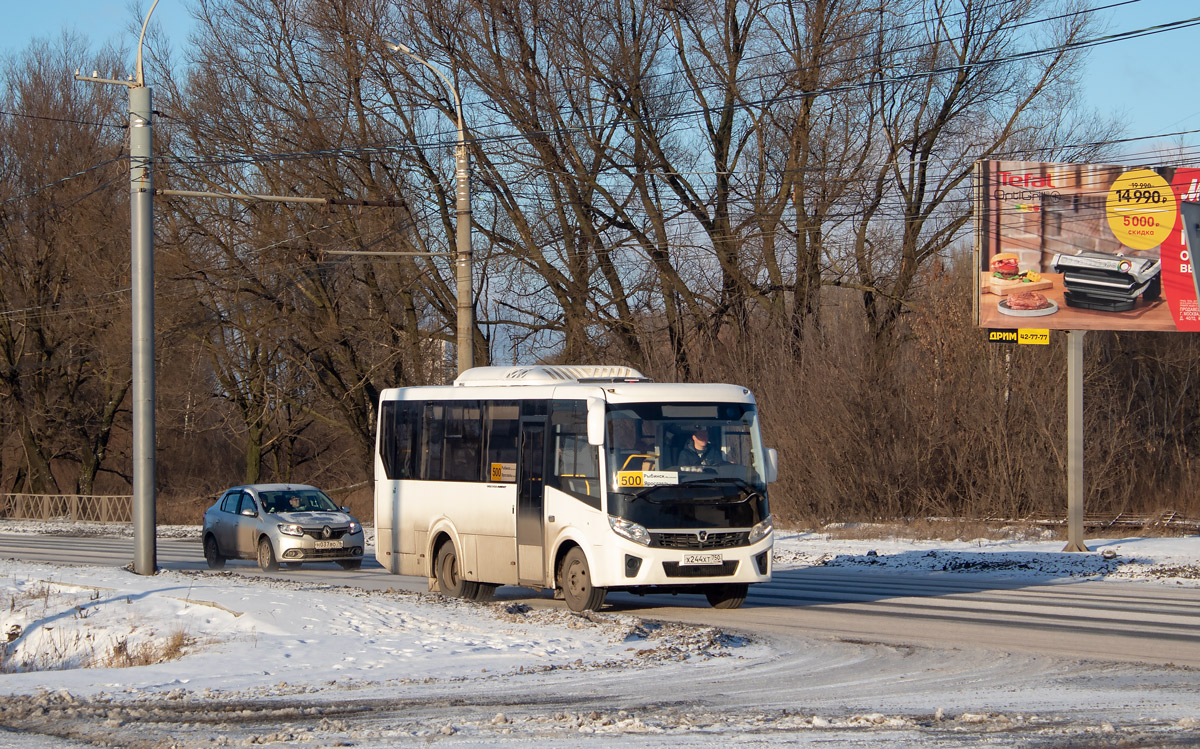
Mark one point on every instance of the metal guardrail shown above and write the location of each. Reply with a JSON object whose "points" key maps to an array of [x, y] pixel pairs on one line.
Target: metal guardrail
{"points": [[1166, 519], [67, 507]]}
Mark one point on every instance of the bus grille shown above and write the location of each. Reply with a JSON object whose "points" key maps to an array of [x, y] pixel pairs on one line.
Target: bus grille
{"points": [[693, 541], [725, 569]]}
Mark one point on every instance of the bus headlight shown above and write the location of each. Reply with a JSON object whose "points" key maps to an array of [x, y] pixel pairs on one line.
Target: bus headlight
{"points": [[629, 529], [291, 529], [760, 531]]}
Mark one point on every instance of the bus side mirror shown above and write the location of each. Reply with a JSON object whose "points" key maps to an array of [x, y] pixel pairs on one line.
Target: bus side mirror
{"points": [[595, 421], [772, 467]]}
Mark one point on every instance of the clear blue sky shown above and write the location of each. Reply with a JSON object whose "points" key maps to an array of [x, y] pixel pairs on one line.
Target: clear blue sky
{"points": [[1151, 83]]}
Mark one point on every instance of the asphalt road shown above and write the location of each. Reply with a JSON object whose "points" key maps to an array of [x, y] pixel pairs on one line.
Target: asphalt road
{"points": [[1131, 622]]}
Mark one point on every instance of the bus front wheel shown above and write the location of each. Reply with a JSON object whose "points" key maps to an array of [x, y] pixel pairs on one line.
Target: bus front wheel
{"points": [[728, 596], [575, 579], [446, 570]]}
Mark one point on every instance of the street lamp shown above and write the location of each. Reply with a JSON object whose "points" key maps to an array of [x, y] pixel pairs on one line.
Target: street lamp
{"points": [[141, 231], [463, 257]]}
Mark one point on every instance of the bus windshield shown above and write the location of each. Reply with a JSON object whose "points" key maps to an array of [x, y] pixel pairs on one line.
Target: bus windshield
{"points": [[651, 445]]}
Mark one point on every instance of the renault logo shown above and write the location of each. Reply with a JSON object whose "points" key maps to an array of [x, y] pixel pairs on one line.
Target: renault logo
{"points": [[326, 532]]}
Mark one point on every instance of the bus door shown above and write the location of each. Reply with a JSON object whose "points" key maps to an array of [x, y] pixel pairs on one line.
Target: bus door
{"points": [[530, 501]]}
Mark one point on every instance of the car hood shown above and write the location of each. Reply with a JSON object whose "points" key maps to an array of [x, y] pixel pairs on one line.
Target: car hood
{"points": [[314, 518]]}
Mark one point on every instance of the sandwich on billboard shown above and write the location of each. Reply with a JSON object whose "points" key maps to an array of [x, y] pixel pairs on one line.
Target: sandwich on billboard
{"points": [[1084, 246]]}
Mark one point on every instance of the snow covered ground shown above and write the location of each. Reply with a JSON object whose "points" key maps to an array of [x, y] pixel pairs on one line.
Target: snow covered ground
{"points": [[106, 656]]}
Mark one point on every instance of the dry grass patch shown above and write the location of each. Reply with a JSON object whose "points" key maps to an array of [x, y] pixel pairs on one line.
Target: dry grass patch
{"points": [[939, 529], [124, 655], [45, 627]]}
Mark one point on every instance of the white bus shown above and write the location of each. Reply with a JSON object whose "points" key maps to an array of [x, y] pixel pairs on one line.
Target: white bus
{"points": [[580, 479]]}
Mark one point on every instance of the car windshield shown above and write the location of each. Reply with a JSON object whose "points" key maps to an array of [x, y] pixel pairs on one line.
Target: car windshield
{"points": [[303, 500], [652, 445]]}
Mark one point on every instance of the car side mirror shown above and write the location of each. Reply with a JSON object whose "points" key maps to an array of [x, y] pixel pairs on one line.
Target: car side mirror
{"points": [[346, 509], [249, 513]]}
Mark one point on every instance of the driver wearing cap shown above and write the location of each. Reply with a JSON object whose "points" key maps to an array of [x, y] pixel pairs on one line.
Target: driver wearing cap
{"points": [[699, 451]]}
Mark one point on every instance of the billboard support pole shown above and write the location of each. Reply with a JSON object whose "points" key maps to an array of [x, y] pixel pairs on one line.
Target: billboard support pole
{"points": [[1075, 441]]}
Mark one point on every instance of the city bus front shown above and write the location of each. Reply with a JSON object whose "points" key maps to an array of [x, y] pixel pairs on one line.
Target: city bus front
{"points": [[686, 497]]}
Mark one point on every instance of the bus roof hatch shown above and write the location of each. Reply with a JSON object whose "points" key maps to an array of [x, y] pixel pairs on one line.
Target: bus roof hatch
{"points": [[547, 374]]}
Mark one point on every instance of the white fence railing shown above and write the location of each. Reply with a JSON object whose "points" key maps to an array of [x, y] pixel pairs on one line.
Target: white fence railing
{"points": [[70, 507]]}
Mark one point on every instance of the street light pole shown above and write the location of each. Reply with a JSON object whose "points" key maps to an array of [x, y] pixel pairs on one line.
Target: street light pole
{"points": [[141, 231], [463, 256]]}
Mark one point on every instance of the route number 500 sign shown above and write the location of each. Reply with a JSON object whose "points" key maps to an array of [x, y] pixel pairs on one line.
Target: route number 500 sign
{"points": [[1141, 209]]}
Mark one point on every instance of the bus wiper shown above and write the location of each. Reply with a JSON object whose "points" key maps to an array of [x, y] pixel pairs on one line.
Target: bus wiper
{"points": [[727, 481]]}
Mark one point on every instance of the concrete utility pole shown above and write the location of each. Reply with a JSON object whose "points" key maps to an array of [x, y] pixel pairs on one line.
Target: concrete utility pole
{"points": [[141, 230], [464, 259]]}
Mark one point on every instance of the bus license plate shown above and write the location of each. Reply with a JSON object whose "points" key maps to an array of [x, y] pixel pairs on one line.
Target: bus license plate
{"points": [[329, 544], [700, 559]]}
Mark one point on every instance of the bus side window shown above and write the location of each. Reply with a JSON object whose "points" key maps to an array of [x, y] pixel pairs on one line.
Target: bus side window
{"points": [[432, 438], [576, 463], [399, 422], [463, 441], [502, 434], [408, 439]]}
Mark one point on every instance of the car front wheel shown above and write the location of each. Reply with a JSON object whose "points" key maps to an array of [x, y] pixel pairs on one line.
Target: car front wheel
{"points": [[266, 556], [212, 554]]}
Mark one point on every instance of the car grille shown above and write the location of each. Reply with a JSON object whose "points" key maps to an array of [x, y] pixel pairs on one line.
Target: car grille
{"points": [[309, 554], [725, 569], [316, 533], [692, 540]]}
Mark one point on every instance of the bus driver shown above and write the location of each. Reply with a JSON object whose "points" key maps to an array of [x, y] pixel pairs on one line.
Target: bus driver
{"points": [[698, 451]]}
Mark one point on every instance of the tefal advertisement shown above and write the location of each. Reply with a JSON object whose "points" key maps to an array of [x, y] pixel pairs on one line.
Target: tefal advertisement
{"points": [[1084, 246]]}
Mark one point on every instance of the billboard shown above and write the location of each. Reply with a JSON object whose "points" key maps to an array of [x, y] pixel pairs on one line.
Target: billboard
{"points": [[1083, 247]]}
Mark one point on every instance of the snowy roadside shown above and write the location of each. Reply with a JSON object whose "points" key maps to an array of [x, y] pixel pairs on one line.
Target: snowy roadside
{"points": [[72, 627], [1173, 561]]}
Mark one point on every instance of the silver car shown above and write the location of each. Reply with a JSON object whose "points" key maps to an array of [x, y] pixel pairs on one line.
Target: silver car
{"points": [[281, 523]]}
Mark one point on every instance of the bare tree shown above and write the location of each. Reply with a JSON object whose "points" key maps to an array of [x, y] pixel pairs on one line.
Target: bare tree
{"points": [[63, 270], [282, 94]]}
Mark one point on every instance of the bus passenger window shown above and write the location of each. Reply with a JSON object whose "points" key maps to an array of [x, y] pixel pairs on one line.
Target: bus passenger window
{"points": [[502, 437], [463, 438], [432, 438]]}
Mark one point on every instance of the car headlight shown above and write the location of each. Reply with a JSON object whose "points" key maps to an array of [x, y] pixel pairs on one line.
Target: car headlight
{"points": [[354, 528], [629, 529], [291, 529], [760, 531]]}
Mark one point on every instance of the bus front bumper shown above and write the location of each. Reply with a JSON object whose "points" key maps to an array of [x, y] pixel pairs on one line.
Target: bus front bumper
{"points": [[631, 565]]}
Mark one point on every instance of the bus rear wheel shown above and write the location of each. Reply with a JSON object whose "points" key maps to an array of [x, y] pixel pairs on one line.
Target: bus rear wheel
{"points": [[575, 579], [727, 596], [446, 570]]}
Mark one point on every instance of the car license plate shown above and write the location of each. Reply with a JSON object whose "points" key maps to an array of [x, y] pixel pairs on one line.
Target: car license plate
{"points": [[329, 544], [700, 559]]}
